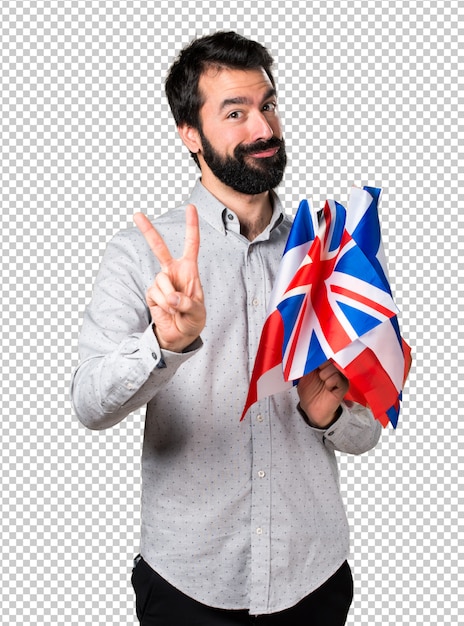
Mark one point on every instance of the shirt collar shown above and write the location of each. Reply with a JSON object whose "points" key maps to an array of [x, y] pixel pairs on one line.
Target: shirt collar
{"points": [[223, 219]]}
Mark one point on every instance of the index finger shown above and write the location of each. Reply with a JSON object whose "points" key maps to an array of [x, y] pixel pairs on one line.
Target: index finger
{"points": [[153, 238], [192, 233]]}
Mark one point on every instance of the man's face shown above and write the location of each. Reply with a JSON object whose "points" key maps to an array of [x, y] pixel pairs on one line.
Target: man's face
{"points": [[240, 134]]}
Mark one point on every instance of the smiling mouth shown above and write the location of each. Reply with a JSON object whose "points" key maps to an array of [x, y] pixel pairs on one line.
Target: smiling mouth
{"points": [[265, 154]]}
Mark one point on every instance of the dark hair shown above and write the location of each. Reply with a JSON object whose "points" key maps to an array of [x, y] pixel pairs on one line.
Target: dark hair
{"points": [[224, 49]]}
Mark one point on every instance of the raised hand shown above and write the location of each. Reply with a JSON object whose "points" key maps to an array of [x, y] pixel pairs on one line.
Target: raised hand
{"points": [[175, 298], [321, 392]]}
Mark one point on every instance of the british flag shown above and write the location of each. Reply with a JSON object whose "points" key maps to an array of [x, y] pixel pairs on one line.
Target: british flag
{"points": [[332, 300]]}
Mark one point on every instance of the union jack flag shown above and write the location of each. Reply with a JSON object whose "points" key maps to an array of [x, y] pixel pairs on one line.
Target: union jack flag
{"points": [[332, 300]]}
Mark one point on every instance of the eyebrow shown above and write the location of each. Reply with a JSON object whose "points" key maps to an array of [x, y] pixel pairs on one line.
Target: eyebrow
{"points": [[243, 100]]}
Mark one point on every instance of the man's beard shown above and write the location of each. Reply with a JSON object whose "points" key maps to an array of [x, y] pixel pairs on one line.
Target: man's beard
{"points": [[242, 176]]}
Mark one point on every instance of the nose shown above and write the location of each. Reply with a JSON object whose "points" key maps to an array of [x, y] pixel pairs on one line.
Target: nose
{"points": [[260, 129]]}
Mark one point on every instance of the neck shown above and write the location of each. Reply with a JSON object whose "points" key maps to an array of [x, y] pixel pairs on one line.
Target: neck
{"points": [[253, 211]]}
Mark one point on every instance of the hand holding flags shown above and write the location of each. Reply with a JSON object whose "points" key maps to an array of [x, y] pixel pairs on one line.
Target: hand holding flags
{"points": [[332, 300]]}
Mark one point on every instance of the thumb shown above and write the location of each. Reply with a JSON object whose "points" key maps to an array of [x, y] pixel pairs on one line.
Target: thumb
{"points": [[180, 303], [173, 299]]}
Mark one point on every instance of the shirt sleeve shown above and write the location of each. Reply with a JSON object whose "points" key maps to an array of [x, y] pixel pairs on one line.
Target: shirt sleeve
{"points": [[121, 363], [356, 430]]}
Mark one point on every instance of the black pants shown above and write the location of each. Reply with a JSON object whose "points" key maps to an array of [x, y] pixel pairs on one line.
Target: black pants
{"points": [[159, 604]]}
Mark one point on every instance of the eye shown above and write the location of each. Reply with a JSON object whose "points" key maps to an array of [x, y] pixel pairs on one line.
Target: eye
{"points": [[234, 115], [270, 106]]}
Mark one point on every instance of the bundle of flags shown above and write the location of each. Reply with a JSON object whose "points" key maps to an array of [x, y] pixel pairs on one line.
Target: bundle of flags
{"points": [[332, 300]]}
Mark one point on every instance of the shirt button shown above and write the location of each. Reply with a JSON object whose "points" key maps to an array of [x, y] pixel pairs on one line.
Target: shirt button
{"points": [[154, 355], [230, 217], [255, 302], [259, 531], [260, 418], [261, 474]]}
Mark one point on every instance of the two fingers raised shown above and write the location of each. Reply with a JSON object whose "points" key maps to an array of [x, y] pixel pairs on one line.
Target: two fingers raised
{"points": [[157, 244]]}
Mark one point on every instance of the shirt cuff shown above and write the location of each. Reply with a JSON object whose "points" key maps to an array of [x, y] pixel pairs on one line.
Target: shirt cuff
{"points": [[162, 358]]}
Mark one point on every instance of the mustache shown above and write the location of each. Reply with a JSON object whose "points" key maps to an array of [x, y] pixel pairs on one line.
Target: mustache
{"points": [[259, 146]]}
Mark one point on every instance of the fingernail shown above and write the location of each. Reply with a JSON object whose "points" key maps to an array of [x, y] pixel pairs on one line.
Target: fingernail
{"points": [[174, 300]]}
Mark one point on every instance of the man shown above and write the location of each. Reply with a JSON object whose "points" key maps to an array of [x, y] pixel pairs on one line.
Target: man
{"points": [[242, 522]]}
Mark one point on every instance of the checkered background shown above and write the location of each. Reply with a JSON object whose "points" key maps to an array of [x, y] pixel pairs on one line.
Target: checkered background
{"points": [[370, 93]]}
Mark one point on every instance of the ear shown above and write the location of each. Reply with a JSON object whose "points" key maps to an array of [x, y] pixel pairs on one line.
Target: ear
{"points": [[190, 137]]}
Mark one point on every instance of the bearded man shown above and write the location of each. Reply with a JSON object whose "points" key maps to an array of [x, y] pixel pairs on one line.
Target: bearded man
{"points": [[242, 522]]}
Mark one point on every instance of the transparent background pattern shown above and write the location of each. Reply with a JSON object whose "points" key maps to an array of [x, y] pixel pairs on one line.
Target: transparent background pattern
{"points": [[370, 93]]}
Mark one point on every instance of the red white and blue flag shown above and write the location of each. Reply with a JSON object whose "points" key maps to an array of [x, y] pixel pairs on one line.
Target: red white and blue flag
{"points": [[332, 300]]}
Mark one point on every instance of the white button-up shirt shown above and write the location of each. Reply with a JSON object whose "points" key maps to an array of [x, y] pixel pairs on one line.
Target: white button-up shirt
{"points": [[234, 514]]}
